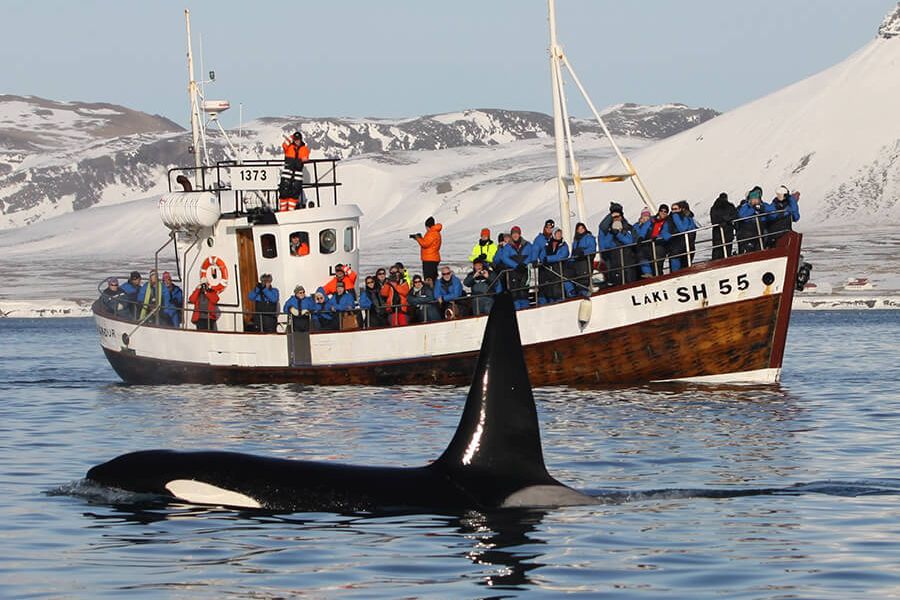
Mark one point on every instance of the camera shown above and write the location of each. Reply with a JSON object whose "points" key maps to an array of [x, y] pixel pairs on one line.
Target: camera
{"points": [[413, 236]]}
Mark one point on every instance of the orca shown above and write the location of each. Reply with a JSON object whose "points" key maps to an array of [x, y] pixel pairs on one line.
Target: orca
{"points": [[494, 460]]}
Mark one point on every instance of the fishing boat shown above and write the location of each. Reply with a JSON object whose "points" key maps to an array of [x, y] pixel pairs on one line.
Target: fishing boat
{"points": [[723, 320]]}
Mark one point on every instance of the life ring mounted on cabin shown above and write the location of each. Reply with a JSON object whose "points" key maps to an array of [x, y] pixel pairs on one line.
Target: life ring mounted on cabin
{"points": [[216, 272]]}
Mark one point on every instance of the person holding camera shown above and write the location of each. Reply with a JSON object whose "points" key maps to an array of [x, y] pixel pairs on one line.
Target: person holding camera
{"points": [[204, 299], [682, 244], [395, 290], [266, 298], [617, 246], [753, 216], [430, 247], [785, 210], [421, 299], [515, 257], [483, 284], [290, 189]]}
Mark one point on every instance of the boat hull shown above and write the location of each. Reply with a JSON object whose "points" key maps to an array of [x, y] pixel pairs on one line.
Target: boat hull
{"points": [[714, 336]]}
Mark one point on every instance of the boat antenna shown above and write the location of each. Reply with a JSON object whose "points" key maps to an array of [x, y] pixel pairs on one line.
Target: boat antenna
{"points": [[194, 94], [202, 87], [563, 134]]}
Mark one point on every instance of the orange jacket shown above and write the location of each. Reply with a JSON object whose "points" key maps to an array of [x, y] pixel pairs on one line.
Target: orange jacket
{"points": [[292, 151], [349, 282], [431, 244], [401, 289]]}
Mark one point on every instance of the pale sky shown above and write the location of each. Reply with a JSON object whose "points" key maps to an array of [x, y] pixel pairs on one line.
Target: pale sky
{"points": [[394, 58]]}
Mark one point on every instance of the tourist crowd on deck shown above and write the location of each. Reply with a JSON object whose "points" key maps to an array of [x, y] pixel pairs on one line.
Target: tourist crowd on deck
{"points": [[546, 270]]}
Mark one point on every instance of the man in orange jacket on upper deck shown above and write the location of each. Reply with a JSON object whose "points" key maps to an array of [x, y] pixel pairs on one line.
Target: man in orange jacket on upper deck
{"points": [[290, 190], [431, 248]]}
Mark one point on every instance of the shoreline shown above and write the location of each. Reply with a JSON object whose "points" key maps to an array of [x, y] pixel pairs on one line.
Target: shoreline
{"points": [[81, 308]]}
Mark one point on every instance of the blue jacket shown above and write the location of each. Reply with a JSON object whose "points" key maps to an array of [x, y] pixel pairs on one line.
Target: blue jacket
{"points": [[745, 210], [539, 242], [175, 303], [510, 258], [131, 291], [321, 313], [792, 208], [343, 302], [293, 302], [264, 294], [643, 231], [613, 239], [683, 223], [449, 291], [585, 245], [561, 254], [176, 297]]}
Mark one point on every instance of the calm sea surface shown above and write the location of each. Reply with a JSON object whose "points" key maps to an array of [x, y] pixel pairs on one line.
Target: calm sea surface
{"points": [[788, 491]]}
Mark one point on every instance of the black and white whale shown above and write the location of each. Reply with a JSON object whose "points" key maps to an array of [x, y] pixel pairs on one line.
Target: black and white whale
{"points": [[494, 460]]}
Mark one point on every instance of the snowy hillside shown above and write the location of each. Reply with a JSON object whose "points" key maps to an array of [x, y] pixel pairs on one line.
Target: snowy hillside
{"points": [[834, 136], [57, 158]]}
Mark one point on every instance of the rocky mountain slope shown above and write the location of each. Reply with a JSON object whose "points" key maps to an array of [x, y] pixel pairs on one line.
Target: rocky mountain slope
{"points": [[60, 157]]}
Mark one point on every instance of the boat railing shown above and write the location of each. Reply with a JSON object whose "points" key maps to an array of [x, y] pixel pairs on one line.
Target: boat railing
{"points": [[540, 284], [248, 186], [649, 258]]}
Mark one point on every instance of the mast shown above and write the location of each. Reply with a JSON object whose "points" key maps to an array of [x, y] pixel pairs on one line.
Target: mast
{"points": [[563, 135], [193, 92], [558, 126]]}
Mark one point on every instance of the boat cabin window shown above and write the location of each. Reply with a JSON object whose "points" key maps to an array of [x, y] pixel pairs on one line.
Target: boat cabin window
{"points": [[267, 243], [327, 241], [348, 239], [299, 243]]}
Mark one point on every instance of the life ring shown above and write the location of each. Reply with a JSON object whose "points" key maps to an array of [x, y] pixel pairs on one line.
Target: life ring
{"points": [[216, 272]]}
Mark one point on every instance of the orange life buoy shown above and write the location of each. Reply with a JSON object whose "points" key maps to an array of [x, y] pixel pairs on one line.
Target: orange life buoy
{"points": [[216, 272]]}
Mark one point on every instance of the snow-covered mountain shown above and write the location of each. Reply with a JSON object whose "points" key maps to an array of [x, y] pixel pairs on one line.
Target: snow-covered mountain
{"points": [[61, 157], [834, 136]]}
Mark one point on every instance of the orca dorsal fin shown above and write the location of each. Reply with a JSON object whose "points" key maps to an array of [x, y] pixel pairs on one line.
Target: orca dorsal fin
{"points": [[498, 440]]}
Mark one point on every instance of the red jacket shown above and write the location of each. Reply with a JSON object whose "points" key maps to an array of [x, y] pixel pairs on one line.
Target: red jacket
{"points": [[212, 297], [431, 244]]}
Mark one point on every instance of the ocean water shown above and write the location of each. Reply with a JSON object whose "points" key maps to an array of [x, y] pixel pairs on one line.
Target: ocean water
{"points": [[784, 491]]}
